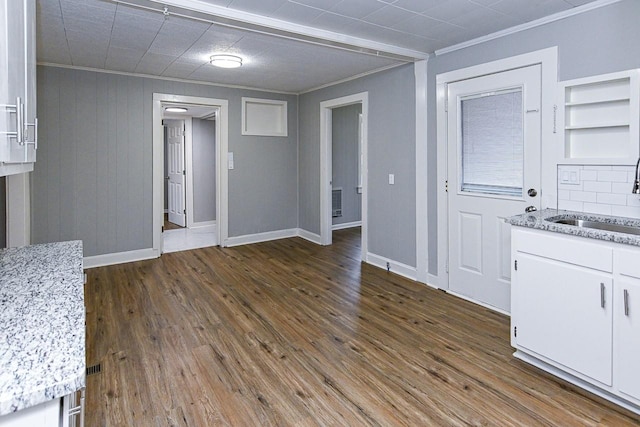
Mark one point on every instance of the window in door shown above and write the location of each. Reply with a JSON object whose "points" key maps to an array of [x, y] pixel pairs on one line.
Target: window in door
{"points": [[492, 142]]}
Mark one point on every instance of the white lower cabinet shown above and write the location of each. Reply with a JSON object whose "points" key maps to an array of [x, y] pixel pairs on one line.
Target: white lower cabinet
{"points": [[46, 414], [67, 411], [570, 315], [627, 322]]}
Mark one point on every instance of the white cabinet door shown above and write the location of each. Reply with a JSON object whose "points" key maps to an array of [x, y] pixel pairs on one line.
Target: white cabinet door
{"points": [[46, 414], [627, 324], [30, 83], [17, 81], [564, 314]]}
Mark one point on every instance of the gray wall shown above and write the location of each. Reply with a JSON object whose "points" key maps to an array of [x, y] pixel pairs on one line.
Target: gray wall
{"points": [[600, 41], [204, 170], [93, 178], [3, 212], [345, 135], [391, 142]]}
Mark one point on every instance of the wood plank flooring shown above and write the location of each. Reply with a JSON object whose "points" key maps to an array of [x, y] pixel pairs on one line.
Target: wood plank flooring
{"points": [[169, 225], [288, 333]]}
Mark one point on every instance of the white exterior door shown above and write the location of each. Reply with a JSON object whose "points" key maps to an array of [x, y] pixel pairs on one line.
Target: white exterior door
{"points": [[493, 164], [176, 171]]}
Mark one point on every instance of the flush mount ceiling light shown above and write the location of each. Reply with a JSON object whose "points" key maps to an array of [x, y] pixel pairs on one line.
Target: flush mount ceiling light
{"points": [[226, 61], [176, 110]]}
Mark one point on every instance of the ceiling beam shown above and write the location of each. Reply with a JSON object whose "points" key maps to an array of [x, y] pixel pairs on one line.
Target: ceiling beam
{"points": [[199, 10]]}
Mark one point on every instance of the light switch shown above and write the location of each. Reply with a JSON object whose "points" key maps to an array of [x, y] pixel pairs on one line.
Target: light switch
{"points": [[230, 160], [569, 175], [392, 179]]}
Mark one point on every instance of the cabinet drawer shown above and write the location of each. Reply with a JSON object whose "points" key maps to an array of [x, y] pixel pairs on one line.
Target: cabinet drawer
{"points": [[626, 261], [561, 247]]}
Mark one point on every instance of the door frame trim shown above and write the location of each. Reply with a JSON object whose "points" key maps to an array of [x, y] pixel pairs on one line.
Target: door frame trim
{"points": [[222, 174], [548, 59], [326, 164]]}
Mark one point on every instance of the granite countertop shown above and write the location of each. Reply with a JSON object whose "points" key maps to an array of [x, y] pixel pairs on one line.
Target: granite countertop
{"points": [[539, 221], [42, 324]]}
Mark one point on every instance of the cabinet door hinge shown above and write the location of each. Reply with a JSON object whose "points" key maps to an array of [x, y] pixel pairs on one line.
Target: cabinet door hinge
{"points": [[446, 186], [515, 265], [515, 331], [184, 172], [184, 211]]}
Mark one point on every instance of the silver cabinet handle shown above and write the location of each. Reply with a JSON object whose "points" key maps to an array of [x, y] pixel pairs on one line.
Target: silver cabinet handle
{"points": [[626, 302], [530, 209], [602, 295]]}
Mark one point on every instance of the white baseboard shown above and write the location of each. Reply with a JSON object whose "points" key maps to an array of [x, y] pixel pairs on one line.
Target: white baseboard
{"points": [[394, 266], [312, 237], [346, 225], [260, 237], [120, 258], [203, 224], [433, 281]]}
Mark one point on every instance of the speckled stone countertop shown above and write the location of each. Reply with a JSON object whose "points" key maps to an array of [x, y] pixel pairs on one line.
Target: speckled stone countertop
{"points": [[539, 221], [42, 324]]}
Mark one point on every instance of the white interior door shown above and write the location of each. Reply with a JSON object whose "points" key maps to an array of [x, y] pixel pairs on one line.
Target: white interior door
{"points": [[176, 171], [493, 163]]}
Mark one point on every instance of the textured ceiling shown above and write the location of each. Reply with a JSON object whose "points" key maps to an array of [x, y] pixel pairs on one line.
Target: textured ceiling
{"points": [[107, 35]]}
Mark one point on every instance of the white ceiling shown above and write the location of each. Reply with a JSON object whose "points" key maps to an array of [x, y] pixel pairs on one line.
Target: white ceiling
{"points": [[103, 34]]}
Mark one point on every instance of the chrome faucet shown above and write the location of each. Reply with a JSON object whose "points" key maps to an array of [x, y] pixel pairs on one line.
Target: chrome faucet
{"points": [[636, 183]]}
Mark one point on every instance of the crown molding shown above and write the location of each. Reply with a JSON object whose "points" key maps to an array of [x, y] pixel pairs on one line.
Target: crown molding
{"points": [[528, 25], [171, 79]]}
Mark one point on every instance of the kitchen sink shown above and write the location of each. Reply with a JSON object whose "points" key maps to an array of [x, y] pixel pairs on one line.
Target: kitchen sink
{"points": [[607, 226]]}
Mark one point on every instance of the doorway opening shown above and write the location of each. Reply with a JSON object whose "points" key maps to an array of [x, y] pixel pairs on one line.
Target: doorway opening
{"points": [[190, 177], [346, 133], [190, 186]]}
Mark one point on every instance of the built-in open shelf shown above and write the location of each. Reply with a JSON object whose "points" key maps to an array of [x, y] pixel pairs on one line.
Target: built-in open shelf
{"points": [[599, 117]]}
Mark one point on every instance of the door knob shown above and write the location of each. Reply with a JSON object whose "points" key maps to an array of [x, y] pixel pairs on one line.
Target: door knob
{"points": [[532, 192], [530, 209]]}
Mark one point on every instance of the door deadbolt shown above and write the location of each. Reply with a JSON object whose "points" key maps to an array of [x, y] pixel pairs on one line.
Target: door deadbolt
{"points": [[532, 192]]}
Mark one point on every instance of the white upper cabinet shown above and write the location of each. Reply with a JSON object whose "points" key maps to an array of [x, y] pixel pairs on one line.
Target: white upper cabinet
{"points": [[598, 119], [18, 108]]}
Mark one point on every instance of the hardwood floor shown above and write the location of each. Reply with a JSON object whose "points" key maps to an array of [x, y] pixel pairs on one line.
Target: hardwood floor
{"points": [[289, 333], [169, 225]]}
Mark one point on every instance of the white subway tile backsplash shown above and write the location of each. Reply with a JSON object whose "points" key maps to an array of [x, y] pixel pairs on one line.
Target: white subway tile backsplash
{"points": [[623, 168], [583, 196], [570, 187], [588, 175], [596, 168], [620, 187], [597, 208], [570, 205], [564, 195], [628, 211], [597, 186], [633, 200], [600, 189], [612, 199], [613, 176]]}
